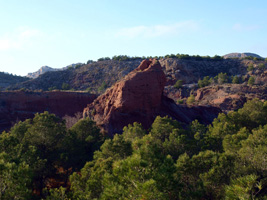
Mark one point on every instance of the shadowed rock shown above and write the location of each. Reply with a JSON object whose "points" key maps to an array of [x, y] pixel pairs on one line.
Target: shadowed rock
{"points": [[18, 106], [139, 98]]}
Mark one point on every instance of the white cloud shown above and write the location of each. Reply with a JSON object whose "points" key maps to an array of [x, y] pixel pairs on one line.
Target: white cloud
{"points": [[241, 27], [18, 39], [158, 30]]}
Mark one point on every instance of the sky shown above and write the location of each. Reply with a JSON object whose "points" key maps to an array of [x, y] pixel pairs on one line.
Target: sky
{"points": [[56, 33]]}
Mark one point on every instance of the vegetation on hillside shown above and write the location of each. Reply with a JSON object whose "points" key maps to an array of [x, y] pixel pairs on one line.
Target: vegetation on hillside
{"points": [[90, 76], [40, 158], [7, 79]]}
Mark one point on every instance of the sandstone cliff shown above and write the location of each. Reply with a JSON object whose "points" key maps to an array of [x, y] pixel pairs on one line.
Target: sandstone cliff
{"points": [[16, 106], [139, 97]]}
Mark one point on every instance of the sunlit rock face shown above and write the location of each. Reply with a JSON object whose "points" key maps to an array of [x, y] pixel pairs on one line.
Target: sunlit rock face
{"points": [[138, 97]]}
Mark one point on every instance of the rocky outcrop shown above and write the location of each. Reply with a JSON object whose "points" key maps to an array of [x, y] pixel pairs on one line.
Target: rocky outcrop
{"points": [[135, 98], [229, 96], [18, 106], [138, 97], [190, 71], [241, 55], [42, 70]]}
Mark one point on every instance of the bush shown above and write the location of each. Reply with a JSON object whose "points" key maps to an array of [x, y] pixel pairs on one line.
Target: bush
{"points": [[251, 80], [52, 88], [221, 78], [103, 59], [205, 82], [89, 62], [190, 100], [261, 66], [235, 80], [180, 101], [102, 87], [65, 86], [178, 84], [250, 67], [216, 57]]}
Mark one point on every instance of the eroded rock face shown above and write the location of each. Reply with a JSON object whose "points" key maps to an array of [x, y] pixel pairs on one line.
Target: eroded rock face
{"points": [[135, 98], [139, 98], [18, 106], [190, 71], [229, 96]]}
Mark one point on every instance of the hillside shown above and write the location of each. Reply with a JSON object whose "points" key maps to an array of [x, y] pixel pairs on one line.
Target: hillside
{"points": [[98, 76], [94, 77], [42, 70], [241, 55], [7, 80], [45, 69]]}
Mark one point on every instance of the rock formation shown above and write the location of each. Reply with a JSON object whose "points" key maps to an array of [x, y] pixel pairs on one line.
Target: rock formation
{"points": [[241, 55], [42, 70], [229, 96], [139, 97], [18, 106]]}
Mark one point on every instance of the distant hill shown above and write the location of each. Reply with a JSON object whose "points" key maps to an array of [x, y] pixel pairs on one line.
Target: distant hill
{"points": [[97, 76], [42, 70], [7, 80], [241, 55], [94, 77], [45, 69]]}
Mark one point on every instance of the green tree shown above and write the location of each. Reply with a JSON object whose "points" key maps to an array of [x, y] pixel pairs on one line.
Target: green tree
{"points": [[190, 100], [162, 127], [232, 143], [89, 183], [251, 80], [235, 80], [65, 86], [133, 131], [261, 66], [15, 179], [252, 115], [222, 78], [89, 62], [204, 175], [131, 179], [254, 148], [205, 82], [102, 87], [82, 140], [178, 84], [57, 194], [39, 144], [246, 187], [250, 67]]}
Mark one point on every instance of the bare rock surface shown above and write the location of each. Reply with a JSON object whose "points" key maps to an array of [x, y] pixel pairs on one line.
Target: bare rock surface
{"points": [[18, 106], [241, 55], [138, 97], [229, 96]]}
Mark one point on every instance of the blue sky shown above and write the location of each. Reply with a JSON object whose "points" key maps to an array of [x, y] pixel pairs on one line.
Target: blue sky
{"points": [[34, 33]]}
